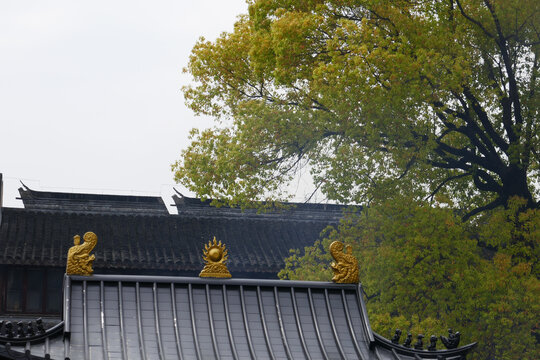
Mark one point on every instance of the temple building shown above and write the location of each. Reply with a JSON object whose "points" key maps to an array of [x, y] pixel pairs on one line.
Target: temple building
{"points": [[140, 283], [139, 236]]}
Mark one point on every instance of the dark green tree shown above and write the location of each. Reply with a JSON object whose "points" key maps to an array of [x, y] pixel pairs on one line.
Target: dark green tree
{"points": [[423, 272]]}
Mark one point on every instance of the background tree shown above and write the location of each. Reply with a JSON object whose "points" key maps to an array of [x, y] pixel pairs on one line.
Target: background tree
{"points": [[422, 272], [380, 98], [421, 110]]}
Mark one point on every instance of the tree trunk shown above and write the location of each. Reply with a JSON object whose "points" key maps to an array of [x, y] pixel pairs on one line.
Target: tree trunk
{"points": [[515, 184]]}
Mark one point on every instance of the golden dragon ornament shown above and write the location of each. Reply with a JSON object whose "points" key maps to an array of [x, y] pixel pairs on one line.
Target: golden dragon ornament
{"points": [[345, 267], [79, 260]]}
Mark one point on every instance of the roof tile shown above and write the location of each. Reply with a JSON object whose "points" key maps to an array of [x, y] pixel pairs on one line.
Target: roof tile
{"points": [[154, 242]]}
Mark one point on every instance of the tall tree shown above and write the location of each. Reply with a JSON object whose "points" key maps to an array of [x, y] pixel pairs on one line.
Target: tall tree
{"points": [[433, 98], [388, 100]]}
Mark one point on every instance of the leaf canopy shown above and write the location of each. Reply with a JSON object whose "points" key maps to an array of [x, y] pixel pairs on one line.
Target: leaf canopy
{"points": [[380, 98]]}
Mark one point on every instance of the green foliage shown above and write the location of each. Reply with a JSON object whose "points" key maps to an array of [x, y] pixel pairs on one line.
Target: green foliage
{"points": [[380, 98], [513, 232], [313, 265], [423, 271], [426, 111]]}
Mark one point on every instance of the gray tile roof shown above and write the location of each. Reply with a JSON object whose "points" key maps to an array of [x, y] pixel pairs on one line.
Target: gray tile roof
{"points": [[299, 211], [96, 203], [138, 244], [142, 317], [137, 235]]}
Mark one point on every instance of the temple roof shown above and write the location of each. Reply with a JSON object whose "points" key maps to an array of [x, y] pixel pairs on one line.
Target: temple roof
{"points": [[143, 317], [163, 317], [93, 203], [300, 211], [137, 234], [151, 243]]}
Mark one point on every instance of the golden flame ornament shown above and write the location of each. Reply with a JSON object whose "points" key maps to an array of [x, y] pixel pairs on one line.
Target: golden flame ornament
{"points": [[215, 255]]}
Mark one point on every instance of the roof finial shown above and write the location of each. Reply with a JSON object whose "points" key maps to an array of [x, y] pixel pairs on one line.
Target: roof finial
{"points": [[452, 341], [215, 256], [346, 266], [179, 193], [79, 260]]}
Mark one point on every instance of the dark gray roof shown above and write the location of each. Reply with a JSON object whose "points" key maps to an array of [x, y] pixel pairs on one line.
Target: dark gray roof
{"points": [[93, 203], [300, 211], [137, 235], [137, 317], [146, 243]]}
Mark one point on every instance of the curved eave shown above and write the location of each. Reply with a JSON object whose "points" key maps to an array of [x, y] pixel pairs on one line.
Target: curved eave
{"points": [[53, 331], [8, 354], [423, 354], [23, 348]]}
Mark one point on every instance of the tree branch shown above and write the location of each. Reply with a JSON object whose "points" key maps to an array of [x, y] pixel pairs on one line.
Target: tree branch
{"points": [[501, 42], [489, 183], [476, 22], [469, 131], [484, 119], [444, 182], [468, 156], [491, 205]]}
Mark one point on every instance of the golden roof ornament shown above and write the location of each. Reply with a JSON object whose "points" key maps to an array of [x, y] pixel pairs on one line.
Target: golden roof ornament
{"points": [[346, 266], [79, 260], [215, 256]]}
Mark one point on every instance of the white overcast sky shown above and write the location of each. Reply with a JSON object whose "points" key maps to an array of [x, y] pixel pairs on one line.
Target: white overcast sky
{"points": [[90, 96]]}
